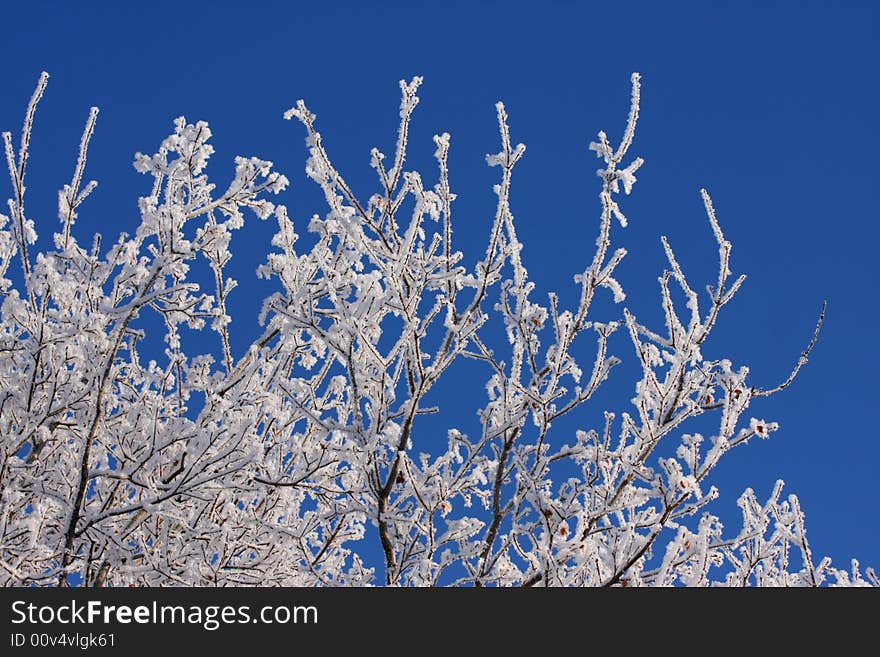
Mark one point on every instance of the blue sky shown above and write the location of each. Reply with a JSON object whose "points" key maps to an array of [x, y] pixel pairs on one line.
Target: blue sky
{"points": [[769, 105]]}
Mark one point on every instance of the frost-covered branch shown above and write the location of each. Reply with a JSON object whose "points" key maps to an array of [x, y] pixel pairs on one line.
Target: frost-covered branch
{"points": [[135, 450]]}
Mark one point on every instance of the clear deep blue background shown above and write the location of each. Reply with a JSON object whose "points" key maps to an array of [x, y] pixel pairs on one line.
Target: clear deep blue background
{"points": [[769, 105]]}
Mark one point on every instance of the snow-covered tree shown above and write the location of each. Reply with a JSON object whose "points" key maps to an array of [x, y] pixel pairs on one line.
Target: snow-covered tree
{"points": [[302, 460]]}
